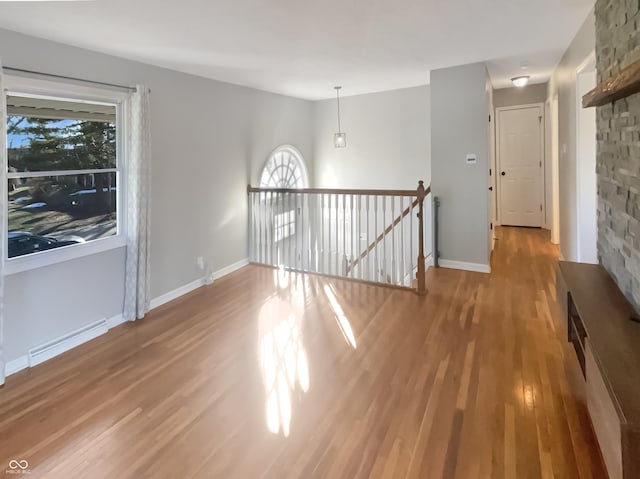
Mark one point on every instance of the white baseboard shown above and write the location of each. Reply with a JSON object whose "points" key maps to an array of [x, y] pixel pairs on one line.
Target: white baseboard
{"points": [[51, 349], [187, 288], [75, 338], [61, 345], [16, 365], [114, 321], [476, 267], [176, 293], [231, 268]]}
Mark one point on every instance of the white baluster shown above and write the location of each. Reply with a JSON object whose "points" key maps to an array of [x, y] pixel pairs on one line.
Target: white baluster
{"points": [[352, 242], [411, 238], [302, 255], [402, 256], [359, 235], [344, 234], [394, 279], [376, 263], [383, 270]]}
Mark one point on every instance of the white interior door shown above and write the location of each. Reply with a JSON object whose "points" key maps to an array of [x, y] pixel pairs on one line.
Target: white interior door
{"points": [[520, 155]]}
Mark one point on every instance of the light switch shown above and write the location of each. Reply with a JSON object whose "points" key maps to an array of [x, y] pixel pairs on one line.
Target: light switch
{"points": [[471, 159]]}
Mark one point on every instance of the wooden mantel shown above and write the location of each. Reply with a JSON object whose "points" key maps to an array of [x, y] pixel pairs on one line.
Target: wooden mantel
{"points": [[622, 85]]}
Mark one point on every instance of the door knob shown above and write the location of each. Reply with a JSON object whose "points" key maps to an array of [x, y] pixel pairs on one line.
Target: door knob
{"points": [[503, 173], [491, 188]]}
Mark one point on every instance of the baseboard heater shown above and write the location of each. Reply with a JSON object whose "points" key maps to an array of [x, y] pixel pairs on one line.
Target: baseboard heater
{"points": [[46, 351]]}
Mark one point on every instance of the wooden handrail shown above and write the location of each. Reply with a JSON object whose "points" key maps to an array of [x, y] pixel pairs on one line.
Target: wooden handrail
{"points": [[381, 236], [332, 191]]}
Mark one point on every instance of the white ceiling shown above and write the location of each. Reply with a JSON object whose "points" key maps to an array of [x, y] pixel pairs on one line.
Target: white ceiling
{"points": [[303, 48]]}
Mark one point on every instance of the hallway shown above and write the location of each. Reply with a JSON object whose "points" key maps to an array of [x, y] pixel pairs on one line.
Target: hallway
{"points": [[268, 374], [539, 426]]}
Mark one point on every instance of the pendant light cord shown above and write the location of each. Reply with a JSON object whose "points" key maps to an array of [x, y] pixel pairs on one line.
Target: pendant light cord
{"points": [[338, 101]]}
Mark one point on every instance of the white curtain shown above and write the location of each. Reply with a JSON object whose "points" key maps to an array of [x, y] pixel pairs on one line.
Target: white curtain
{"points": [[138, 168], [3, 202]]}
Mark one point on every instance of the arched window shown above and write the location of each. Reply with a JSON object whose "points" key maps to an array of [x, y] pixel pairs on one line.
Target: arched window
{"points": [[284, 169]]}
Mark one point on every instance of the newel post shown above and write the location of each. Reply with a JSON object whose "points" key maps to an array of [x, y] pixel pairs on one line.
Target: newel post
{"points": [[420, 275]]}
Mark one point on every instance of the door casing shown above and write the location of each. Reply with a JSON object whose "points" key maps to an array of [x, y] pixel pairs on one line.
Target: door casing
{"points": [[542, 158]]}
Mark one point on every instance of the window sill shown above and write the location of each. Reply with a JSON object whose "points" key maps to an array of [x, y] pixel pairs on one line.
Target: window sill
{"points": [[60, 255]]}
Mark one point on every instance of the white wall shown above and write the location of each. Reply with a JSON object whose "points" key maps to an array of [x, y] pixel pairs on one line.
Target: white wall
{"points": [[209, 139], [563, 86], [388, 138], [514, 96], [587, 190], [460, 112], [388, 146]]}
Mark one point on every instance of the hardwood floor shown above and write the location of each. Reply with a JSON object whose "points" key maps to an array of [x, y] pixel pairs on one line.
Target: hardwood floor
{"points": [[267, 374]]}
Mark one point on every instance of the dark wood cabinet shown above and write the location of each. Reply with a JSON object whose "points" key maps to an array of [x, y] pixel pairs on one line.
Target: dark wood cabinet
{"points": [[607, 345]]}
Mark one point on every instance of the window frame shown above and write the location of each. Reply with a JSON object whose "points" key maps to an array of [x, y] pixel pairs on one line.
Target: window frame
{"points": [[281, 229], [28, 86]]}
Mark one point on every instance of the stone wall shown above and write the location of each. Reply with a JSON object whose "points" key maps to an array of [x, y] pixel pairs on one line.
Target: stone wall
{"points": [[618, 161]]}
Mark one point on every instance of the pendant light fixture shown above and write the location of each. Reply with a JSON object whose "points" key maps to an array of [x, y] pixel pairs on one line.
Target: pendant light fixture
{"points": [[340, 138]]}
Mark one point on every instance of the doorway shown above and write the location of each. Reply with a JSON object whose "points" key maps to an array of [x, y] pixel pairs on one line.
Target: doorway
{"points": [[586, 180], [520, 161]]}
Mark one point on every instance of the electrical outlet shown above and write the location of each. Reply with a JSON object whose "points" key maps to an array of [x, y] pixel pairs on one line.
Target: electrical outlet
{"points": [[200, 261]]}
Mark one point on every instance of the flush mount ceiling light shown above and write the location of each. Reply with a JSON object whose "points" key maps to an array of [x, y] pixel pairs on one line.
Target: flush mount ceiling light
{"points": [[340, 138], [520, 81]]}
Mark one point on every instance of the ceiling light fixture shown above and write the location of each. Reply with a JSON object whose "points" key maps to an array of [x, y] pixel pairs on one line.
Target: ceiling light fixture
{"points": [[340, 138], [520, 81]]}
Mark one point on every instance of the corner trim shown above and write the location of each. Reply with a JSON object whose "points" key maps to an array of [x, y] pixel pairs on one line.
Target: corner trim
{"points": [[476, 267]]}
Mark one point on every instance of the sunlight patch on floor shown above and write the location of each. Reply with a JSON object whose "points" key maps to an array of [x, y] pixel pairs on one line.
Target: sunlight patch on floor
{"points": [[282, 355], [341, 318]]}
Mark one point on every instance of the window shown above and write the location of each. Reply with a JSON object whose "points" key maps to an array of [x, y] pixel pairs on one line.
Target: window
{"points": [[285, 224], [63, 172], [284, 169]]}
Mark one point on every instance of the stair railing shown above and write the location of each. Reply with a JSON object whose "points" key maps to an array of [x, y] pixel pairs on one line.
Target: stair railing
{"points": [[367, 235]]}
